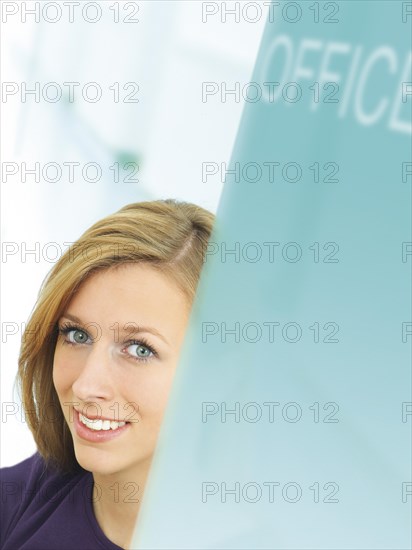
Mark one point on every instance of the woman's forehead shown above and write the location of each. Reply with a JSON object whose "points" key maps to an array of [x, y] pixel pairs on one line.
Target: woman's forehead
{"points": [[135, 294]]}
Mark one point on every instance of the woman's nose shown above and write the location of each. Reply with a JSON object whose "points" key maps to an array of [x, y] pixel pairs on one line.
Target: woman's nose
{"points": [[95, 382]]}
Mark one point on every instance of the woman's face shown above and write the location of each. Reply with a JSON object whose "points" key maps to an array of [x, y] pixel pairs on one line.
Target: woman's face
{"points": [[115, 357]]}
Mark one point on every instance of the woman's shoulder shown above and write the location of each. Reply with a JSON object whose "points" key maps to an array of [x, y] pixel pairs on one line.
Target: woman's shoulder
{"points": [[16, 480], [31, 491], [24, 470], [33, 473]]}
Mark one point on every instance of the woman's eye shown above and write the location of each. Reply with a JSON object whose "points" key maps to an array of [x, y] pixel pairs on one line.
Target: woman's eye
{"points": [[77, 336], [139, 351]]}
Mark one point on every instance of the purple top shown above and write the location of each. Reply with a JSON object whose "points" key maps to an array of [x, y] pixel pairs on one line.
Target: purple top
{"points": [[43, 509]]}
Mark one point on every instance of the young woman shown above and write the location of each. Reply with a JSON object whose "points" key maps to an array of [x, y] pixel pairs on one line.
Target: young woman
{"points": [[95, 369]]}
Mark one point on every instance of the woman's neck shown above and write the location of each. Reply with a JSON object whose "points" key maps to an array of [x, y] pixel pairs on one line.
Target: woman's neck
{"points": [[117, 500]]}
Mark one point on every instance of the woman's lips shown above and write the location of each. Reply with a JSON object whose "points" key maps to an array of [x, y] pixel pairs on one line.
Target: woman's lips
{"points": [[96, 436]]}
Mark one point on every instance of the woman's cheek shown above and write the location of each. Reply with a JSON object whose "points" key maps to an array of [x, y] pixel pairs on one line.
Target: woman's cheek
{"points": [[158, 391], [61, 374]]}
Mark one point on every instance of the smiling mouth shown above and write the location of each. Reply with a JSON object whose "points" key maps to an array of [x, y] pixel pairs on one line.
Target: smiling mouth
{"points": [[100, 425]]}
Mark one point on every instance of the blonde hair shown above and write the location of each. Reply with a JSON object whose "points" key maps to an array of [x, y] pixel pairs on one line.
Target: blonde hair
{"points": [[169, 235]]}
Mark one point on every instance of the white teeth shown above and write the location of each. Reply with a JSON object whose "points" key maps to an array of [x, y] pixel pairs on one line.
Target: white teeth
{"points": [[99, 424], [114, 425]]}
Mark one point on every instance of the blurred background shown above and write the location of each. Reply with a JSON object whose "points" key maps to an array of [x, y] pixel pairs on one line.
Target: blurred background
{"points": [[159, 52]]}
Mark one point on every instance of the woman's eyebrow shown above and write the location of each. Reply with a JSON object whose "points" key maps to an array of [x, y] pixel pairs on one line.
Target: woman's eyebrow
{"points": [[132, 328]]}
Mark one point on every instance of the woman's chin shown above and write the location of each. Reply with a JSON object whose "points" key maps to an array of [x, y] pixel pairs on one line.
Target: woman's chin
{"points": [[96, 460]]}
